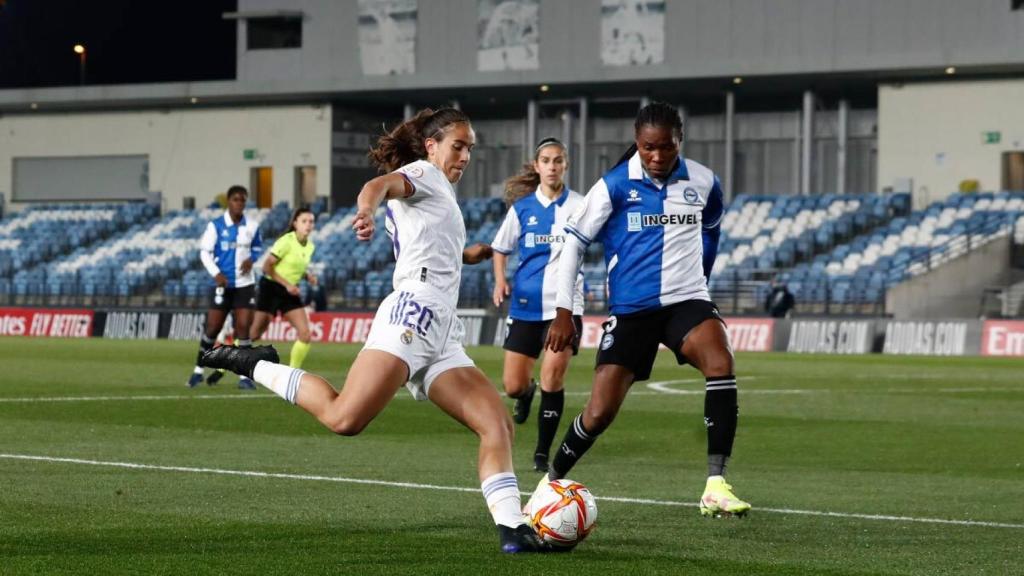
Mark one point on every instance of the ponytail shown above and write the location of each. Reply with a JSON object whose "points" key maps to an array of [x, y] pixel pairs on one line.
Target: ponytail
{"points": [[405, 142], [524, 183], [295, 216]]}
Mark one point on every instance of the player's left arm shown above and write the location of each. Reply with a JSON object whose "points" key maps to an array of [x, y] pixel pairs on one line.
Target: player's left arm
{"points": [[255, 251], [711, 216]]}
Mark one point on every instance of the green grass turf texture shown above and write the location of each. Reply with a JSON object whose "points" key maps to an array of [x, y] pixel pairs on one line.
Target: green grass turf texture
{"points": [[916, 437]]}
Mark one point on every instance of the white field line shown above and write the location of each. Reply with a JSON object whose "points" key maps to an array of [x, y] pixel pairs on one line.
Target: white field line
{"points": [[140, 398], [653, 389], [418, 486]]}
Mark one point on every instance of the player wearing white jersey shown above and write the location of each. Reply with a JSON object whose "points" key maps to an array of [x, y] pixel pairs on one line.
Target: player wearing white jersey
{"points": [[228, 247], [539, 205], [658, 216], [416, 335]]}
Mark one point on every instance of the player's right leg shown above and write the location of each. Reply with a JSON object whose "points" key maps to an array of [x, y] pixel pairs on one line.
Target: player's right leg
{"points": [[214, 322], [260, 321], [524, 341], [552, 404], [515, 377], [611, 383]]}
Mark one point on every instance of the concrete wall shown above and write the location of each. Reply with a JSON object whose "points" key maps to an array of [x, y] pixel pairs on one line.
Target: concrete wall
{"points": [[195, 153], [932, 134], [704, 38], [954, 289]]}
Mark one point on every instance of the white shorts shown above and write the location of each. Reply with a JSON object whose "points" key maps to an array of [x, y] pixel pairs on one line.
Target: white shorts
{"points": [[416, 323]]}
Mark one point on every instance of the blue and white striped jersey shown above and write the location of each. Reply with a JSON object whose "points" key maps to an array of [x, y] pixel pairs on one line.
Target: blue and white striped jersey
{"points": [[535, 226], [659, 238], [225, 245]]}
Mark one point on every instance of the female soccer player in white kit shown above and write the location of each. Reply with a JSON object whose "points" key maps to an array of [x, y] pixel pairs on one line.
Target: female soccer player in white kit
{"points": [[539, 205], [416, 335]]}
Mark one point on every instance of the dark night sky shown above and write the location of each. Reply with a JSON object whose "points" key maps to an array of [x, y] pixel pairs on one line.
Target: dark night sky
{"points": [[127, 41]]}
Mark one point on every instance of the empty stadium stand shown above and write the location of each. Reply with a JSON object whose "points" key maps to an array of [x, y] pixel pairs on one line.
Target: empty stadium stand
{"points": [[836, 253]]}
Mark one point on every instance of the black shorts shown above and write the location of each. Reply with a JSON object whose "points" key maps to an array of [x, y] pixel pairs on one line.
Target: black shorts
{"points": [[273, 297], [526, 337], [232, 298], [632, 340]]}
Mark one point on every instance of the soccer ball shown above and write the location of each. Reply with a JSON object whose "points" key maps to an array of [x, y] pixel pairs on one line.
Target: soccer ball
{"points": [[562, 512]]}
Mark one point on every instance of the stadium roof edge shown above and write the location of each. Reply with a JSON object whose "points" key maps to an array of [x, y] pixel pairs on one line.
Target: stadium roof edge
{"points": [[113, 97]]}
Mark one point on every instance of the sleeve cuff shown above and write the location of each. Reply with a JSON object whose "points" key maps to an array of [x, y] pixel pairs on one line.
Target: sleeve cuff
{"points": [[586, 241]]}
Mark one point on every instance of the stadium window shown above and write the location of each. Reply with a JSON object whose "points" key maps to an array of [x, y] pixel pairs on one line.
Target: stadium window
{"points": [[273, 32]]}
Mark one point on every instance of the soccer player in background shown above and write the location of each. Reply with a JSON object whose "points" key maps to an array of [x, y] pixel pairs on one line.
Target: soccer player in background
{"points": [[416, 338], [658, 215], [539, 204], [227, 249], [284, 267]]}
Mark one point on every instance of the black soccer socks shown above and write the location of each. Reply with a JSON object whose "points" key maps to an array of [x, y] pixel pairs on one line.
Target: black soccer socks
{"points": [[575, 444], [548, 417], [721, 413]]}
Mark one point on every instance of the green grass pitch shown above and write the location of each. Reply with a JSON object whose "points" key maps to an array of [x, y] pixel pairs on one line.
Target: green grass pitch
{"points": [[854, 465]]}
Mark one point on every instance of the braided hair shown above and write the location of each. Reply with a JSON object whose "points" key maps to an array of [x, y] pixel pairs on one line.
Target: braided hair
{"points": [[660, 114]]}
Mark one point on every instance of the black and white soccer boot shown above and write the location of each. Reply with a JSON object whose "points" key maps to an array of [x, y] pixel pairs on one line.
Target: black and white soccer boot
{"points": [[521, 409], [521, 539], [241, 361]]}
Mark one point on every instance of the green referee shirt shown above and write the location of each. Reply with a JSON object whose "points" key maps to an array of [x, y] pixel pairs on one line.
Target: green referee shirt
{"points": [[292, 257]]}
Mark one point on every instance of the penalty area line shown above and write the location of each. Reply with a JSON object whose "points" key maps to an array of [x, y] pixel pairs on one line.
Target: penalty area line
{"points": [[419, 486]]}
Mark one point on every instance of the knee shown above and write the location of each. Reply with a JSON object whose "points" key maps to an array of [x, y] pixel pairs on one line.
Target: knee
{"points": [[347, 426], [553, 382], [720, 363], [514, 387], [304, 337], [498, 430], [597, 419]]}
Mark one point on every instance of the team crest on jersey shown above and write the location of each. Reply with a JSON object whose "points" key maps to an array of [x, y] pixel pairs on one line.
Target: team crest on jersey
{"points": [[607, 341], [690, 196], [634, 196], [407, 336]]}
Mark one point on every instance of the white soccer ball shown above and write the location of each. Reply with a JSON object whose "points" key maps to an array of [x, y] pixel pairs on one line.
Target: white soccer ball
{"points": [[562, 512]]}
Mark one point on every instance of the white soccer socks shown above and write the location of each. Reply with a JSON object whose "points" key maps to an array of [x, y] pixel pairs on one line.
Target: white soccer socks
{"points": [[502, 494], [279, 379]]}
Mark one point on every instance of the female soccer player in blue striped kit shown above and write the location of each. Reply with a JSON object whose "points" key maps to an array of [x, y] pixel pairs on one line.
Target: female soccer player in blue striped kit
{"points": [[229, 246], [658, 215], [539, 205], [416, 337]]}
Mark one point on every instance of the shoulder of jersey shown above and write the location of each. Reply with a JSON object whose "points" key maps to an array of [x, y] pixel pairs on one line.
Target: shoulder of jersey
{"points": [[616, 176], [574, 198], [417, 169], [699, 173]]}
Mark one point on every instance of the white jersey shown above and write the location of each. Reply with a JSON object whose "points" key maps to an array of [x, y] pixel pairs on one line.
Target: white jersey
{"points": [[535, 226], [427, 231]]}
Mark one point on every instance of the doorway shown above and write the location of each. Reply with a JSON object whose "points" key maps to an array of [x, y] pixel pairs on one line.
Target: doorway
{"points": [[261, 184], [305, 185], [1013, 171]]}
